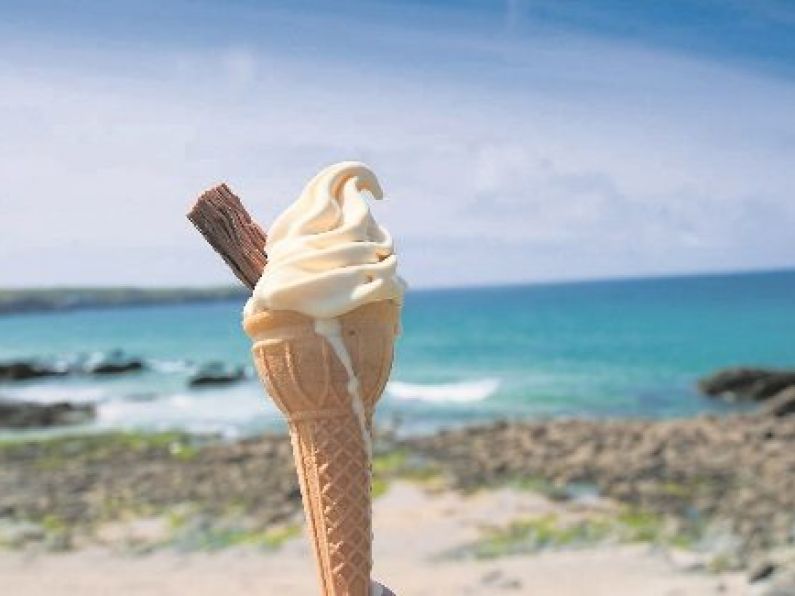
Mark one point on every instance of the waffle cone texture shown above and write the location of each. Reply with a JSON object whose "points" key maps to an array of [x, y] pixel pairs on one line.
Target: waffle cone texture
{"points": [[310, 385]]}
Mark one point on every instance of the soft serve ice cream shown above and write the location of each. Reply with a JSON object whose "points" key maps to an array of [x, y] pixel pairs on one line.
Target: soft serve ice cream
{"points": [[326, 257], [323, 319], [326, 253]]}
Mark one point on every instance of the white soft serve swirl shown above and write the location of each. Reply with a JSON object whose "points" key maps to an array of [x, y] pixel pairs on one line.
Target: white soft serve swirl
{"points": [[326, 253]]}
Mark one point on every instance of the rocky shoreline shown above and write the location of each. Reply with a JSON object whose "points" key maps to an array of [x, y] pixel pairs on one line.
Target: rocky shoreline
{"points": [[21, 414], [731, 477], [725, 485]]}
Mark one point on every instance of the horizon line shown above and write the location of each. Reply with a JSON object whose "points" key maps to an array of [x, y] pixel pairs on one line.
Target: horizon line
{"points": [[473, 286]]}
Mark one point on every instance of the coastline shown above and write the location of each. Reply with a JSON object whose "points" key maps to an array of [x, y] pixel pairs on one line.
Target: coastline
{"points": [[718, 491], [38, 300]]}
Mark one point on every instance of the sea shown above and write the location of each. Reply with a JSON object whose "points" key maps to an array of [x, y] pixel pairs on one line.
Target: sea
{"points": [[626, 348]]}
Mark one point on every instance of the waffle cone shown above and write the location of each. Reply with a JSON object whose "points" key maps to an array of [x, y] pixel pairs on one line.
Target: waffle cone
{"points": [[311, 386]]}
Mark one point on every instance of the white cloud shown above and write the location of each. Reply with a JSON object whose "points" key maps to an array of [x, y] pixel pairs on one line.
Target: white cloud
{"points": [[546, 160]]}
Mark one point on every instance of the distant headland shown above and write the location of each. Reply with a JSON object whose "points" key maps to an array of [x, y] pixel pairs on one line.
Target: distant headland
{"points": [[61, 299], [22, 300]]}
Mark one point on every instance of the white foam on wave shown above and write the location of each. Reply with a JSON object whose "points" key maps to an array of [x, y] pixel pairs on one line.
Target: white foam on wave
{"points": [[223, 411], [464, 392], [171, 366], [52, 393]]}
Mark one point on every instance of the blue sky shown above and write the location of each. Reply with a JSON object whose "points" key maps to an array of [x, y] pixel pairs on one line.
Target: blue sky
{"points": [[516, 141]]}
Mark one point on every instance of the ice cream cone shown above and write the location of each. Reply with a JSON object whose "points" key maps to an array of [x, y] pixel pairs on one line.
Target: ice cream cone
{"points": [[326, 376]]}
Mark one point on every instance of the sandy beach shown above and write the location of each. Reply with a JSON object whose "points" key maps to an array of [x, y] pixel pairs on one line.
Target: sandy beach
{"points": [[416, 532]]}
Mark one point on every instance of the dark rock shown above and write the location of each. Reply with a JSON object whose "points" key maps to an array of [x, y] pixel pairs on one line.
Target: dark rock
{"points": [[23, 370], [114, 363], [216, 373], [112, 368], [18, 414], [782, 404], [761, 571], [747, 384], [110, 364]]}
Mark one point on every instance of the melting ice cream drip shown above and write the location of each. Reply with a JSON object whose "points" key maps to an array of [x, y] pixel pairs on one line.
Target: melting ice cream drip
{"points": [[331, 329]]}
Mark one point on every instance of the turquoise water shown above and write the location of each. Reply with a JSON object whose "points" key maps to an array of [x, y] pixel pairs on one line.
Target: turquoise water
{"points": [[627, 348]]}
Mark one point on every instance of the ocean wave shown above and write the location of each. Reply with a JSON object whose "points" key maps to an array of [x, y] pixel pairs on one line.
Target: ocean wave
{"points": [[463, 392], [171, 366], [49, 394]]}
